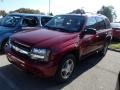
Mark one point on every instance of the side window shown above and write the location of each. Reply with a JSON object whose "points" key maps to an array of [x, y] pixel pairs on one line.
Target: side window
{"points": [[44, 20], [107, 23], [91, 22], [100, 23], [30, 21]]}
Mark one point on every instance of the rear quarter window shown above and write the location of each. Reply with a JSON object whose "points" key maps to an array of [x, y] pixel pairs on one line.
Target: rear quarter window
{"points": [[107, 22]]}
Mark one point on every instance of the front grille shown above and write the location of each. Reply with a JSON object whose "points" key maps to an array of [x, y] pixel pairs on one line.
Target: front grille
{"points": [[21, 47], [22, 55]]}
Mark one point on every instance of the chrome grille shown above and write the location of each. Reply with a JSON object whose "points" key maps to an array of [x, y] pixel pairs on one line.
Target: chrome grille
{"points": [[21, 48]]}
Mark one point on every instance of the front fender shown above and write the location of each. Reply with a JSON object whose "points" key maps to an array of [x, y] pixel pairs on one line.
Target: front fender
{"points": [[67, 50]]}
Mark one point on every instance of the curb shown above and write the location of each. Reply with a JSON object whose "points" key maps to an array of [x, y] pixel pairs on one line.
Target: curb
{"points": [[114, 50]]}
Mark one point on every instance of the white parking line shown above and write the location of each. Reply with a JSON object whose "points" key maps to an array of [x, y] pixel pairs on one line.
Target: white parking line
{"points": [[12, 85]]}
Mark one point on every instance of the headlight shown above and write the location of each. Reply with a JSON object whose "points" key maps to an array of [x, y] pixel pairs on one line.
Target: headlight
{"points": [[40, 54]]}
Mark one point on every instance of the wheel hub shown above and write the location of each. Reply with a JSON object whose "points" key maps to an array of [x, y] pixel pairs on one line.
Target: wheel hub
{"points": [[67, 69]]}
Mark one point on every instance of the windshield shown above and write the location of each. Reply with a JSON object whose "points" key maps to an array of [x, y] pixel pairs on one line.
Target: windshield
{"points": [[10, 21], [66, 23], [115, 25]]}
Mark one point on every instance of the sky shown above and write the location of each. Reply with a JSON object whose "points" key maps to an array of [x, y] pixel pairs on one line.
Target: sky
{"points": [[60, 6]]}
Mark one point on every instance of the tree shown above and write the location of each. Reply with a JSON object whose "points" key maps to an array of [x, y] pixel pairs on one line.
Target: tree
{"points": [[27, 10], [78, 11], [108, 12], [1, 0], [3, 13], [51, 14]]}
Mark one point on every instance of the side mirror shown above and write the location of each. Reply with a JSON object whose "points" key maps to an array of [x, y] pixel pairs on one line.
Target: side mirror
{"points": [[91, 31]]}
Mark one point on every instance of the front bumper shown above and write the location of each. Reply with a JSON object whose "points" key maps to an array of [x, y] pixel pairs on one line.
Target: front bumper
{"points": [[39, 69]]}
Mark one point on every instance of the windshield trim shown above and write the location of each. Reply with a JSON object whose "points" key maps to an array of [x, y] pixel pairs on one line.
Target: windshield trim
{"points": [[61, 29]]}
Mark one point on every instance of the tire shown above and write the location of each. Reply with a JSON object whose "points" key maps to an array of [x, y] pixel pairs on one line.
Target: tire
{"points": [[104, 50], [65, 69], [4, 44]]}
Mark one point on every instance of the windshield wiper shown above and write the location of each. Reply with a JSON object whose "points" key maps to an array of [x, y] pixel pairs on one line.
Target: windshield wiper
{"points": [[58, 29], [48, 27], [61, 29]]}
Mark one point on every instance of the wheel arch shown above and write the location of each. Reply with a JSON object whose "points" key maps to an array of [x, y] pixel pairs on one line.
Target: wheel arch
{"points": [[73, 51], [108, 39]]}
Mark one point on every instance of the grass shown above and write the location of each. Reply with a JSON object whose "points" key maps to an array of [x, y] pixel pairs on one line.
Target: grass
{"points": [[115, 45]]}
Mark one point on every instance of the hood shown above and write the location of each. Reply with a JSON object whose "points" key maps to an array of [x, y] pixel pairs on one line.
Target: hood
{"points": [[43, 38], [5, 29]]}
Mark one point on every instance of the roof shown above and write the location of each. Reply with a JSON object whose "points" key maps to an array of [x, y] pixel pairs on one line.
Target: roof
{"points": [[87, 14], [25, 14]]}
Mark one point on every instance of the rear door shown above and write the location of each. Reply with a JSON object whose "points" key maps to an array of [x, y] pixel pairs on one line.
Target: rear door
{"points": [[102, 28]]}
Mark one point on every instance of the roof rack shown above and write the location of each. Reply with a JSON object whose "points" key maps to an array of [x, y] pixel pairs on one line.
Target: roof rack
{"points": [[85, 13], [90, 12]]}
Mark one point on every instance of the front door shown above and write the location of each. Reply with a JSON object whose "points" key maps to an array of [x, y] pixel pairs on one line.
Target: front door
{"points": [[90, 42]]}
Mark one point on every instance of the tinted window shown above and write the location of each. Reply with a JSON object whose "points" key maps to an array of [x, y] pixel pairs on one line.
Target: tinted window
{"points": [[66, 23], [10, 20], [91, 22], [44, 20], [100, 23], [30, 21], [107, 23]]}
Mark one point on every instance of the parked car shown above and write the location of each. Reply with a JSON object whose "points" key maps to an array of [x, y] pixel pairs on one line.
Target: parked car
{"points": [[16, 22], [55, 50], [116, 30]]}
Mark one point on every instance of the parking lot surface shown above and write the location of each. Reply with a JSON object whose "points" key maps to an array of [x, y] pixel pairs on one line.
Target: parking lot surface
{"points": [[94, 73]]}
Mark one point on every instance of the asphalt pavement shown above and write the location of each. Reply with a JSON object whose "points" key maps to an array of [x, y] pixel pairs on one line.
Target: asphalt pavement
{"points": [[94, 73]]}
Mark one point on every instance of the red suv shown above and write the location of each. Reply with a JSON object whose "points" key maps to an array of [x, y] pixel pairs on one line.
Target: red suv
{"points": [[54, 50], [116, 31]]}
